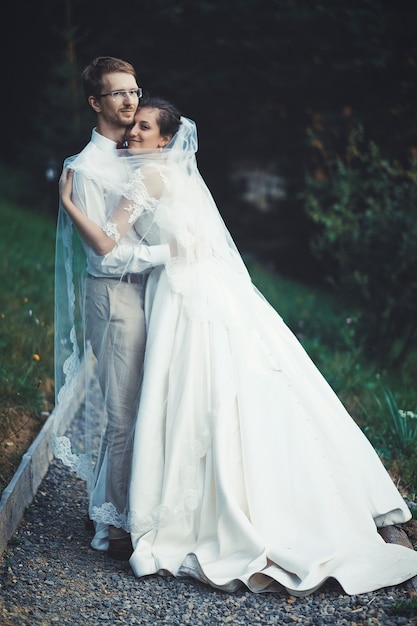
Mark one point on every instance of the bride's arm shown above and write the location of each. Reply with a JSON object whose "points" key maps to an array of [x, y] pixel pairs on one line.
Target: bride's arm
{"points": [[104, 240], [91, 232]]}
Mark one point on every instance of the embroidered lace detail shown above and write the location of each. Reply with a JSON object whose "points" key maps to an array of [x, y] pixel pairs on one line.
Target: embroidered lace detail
{"points": [[162, 515], [141, 201], [138, 193], [111, 230], [107, 514], [134, 211], [70, 397], [78, 463], [157, 519]]}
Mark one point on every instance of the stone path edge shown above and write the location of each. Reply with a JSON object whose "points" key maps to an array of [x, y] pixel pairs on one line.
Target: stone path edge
{"points": [[34, 465], [22, 488]]}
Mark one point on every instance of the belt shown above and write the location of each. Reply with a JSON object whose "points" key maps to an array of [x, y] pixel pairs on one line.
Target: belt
{"points": [[137, 279]]}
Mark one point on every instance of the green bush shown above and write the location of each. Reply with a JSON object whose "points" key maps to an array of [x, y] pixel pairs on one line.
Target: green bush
{"points": [[365, 211]]}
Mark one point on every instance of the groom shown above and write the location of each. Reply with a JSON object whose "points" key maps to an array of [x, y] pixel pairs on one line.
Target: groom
{"points": [[115, 321]]}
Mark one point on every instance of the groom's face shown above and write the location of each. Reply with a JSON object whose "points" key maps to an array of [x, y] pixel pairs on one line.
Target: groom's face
{"points": [[118, 102]]}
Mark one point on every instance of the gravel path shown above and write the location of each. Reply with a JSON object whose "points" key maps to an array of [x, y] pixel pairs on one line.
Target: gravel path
{"points": [[49, 575]]}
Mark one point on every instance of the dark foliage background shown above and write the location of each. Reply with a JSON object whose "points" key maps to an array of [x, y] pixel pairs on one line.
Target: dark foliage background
{"points": [[279, 89], [260, 77]]}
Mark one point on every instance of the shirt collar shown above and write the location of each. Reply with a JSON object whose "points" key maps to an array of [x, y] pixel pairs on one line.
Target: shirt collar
{"points": [[105, 144]]}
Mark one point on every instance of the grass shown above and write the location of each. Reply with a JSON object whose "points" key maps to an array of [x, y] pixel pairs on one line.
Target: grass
{"points": [[381, 401], [408, 608], [27, 248]]}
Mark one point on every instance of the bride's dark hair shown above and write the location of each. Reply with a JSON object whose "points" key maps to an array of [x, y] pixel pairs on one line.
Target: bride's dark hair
{"points": [[169, 117]]}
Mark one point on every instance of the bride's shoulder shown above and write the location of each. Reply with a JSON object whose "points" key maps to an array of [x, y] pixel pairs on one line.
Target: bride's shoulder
{"points": [[153, 177]]}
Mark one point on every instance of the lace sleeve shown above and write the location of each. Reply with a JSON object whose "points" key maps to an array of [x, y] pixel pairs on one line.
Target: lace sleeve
{"points": [[111, 230], [142, 194]]}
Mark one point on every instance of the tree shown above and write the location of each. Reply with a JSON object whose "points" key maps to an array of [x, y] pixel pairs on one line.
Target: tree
{"points": [[253, 73], [366, 210]]}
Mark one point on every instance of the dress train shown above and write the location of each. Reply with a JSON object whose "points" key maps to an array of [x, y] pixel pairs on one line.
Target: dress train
{"points": [[247, 468]]}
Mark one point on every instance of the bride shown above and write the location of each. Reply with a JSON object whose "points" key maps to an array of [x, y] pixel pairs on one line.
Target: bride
{"points": [[246, 466]]}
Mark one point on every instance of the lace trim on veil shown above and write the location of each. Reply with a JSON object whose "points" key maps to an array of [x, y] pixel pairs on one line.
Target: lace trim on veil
{"points": [[107, 514], [76, 373], [162, 514]]}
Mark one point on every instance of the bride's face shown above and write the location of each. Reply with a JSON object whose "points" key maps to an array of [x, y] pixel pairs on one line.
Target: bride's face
{"points": [[145, 133]]}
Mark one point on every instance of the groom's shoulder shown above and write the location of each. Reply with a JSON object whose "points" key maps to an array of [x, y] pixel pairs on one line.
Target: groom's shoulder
{"points": [[93, 156]]}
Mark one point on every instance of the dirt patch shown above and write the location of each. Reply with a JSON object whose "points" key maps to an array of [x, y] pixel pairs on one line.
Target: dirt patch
{"points": [[20, 429], [13, 447], [411, 530]]}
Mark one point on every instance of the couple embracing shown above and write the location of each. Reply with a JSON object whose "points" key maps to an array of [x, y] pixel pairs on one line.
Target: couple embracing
{"points": [[212, 447]]}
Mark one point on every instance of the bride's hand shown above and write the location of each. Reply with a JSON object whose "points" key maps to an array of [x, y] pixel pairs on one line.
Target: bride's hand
{"points": [[65, 186]]}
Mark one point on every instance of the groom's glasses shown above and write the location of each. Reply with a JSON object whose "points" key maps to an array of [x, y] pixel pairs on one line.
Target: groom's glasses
{"points": [[121, 95]]}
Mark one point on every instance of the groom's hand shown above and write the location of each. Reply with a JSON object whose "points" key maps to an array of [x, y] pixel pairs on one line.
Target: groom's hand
{"points": [[65, 185]]}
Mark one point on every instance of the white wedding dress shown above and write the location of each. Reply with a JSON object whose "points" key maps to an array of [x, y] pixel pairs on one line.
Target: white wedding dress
{"points": [[247, 469], [246, 466]]}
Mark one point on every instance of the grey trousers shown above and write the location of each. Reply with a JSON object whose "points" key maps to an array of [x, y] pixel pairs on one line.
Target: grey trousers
{"points": [[115, 326]]}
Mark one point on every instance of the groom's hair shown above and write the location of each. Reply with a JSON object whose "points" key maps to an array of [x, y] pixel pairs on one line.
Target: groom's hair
{"points": [[92, 75]]}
